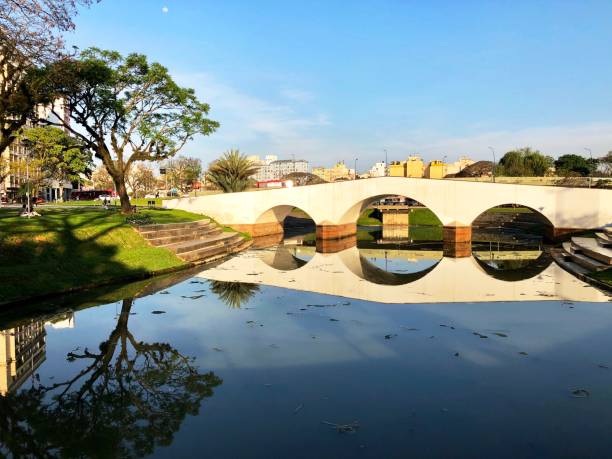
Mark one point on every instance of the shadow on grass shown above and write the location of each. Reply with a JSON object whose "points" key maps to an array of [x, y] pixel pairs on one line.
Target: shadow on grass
{"points": [[64, 250]]}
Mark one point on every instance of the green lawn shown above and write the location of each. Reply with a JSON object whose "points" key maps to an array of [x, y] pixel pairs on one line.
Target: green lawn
{"points": [[604, 276], [69, 248], [114, 202]]}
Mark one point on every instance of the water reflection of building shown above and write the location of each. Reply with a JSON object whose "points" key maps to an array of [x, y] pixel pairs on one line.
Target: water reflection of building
{"points": [[22, 350]]}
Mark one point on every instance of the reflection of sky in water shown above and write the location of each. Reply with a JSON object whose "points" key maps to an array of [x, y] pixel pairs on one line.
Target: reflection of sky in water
{"points": [[286, 366], [401, 265]]}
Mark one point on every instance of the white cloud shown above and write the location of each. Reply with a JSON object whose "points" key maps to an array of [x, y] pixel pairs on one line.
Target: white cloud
{"points": [[165, 9], [260, 126], [553, 140]]}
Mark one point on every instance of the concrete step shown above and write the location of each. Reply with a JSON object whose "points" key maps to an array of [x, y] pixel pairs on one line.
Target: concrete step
{"points": [[171, 226], [582, 259], [205, 253], [590, 247], [189, 246], [608, 230], [603, 239], [178, 232], [564, 260], [191, 236]]}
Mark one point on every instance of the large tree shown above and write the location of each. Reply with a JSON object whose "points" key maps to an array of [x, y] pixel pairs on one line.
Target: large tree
{"points": [[30, 36], [126, 110], [141, 180], [575, 165], [524, 162]]}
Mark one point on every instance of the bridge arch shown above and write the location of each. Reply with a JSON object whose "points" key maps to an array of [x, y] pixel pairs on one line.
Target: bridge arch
{"points": [[544, 216]]}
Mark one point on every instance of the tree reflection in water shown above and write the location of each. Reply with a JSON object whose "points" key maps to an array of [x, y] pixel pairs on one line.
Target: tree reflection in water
{"points": [[234, 294], [128, 398]]}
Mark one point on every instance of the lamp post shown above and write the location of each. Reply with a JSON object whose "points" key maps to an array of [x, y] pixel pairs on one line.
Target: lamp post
{"points": [[355, 173], [493, 168], [386, 162], [590, 175]]}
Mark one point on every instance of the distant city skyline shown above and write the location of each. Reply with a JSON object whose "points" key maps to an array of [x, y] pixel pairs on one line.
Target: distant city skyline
{"points": [[329, 81]]}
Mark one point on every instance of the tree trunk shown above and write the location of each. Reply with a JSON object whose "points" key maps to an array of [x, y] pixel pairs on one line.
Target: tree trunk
{"points": [[126, 207]]}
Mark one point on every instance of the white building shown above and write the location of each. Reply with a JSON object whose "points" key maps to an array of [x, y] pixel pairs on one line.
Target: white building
{"points": [[272, 168], [378, 170]]}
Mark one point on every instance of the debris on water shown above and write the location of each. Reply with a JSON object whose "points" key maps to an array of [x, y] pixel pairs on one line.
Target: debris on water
{"points": [[479, 335], [442, 325], [456, 354], [408, 329], [253, 274], [432, 337], [199, 291], [165, 292], [289, 313], [503, 335], [322, 305], [523, 353], [158, 312], [218, 349], [313, 337], [194, 297], [346, 303], [250, 321], [343, 428], [268, 385], [298, 408], [444, 410], [580, 393], [133, 313], [390, 336], [303, 309], [273, 346], [196, 282], [601, 365], [334, 320]]}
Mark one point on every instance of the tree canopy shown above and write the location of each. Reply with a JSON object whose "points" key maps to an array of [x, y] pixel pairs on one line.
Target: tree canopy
{"points": [[30, 36], [524, 162], [126, 109], [575, 165]]}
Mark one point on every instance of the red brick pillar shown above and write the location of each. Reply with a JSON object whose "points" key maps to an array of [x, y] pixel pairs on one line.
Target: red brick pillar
{"points": [[336, 245], [457, 241], [260, 229], [336, 231]]}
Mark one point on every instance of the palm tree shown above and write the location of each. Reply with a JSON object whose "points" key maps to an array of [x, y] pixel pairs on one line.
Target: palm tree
{"points": [[233, 294], [232, 172]]}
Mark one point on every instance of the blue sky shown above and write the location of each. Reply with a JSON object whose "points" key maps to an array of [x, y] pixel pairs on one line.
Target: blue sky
{"points": [[338, 80]]}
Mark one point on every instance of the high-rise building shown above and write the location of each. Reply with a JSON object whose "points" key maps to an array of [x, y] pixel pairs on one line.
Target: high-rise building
{"points": [[22, 350], [272, 168]]}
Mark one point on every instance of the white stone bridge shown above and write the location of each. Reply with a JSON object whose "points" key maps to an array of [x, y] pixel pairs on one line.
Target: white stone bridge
{"points": [[335, 207]]}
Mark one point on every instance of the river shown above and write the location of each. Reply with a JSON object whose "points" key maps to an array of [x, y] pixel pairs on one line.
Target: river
{"points": [[385, 348]]}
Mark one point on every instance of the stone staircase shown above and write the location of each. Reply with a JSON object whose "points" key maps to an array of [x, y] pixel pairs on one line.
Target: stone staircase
{"points": [[582, 255], [196, 242]]}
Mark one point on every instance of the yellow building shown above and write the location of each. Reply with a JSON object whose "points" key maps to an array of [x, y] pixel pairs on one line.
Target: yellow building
{"points": [[435, 170], [397, 169], [331, 174], [412, 167], [415, 167]]}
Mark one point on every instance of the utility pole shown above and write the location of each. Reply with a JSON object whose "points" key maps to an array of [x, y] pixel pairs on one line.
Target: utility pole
{"points": [[493, 168], [590, 174]]}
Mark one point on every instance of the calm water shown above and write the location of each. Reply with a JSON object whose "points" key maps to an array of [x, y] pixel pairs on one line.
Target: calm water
{"points": [[287, 352]]}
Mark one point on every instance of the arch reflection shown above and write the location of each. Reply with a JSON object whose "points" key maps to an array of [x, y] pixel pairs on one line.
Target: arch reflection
{"points": [[350, 274]]}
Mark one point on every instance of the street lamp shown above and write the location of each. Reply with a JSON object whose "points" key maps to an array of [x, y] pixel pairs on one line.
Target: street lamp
{"points": [[493, 168], [590, 175], [355, 174], [386, 162]]}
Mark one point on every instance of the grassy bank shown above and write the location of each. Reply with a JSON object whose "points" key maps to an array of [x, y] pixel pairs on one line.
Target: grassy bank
{"points": [[69, 248], [419, 217], [603, 276]]}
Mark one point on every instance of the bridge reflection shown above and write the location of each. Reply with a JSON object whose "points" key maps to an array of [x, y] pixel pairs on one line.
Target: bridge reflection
{"points": [[424, 277]]}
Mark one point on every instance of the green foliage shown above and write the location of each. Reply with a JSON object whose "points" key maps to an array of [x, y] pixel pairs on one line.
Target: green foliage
{"points": [[232, 172], [575, 165], [126, 109], [58, 155], [524, 162], [233, 294], [139, 219]]}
